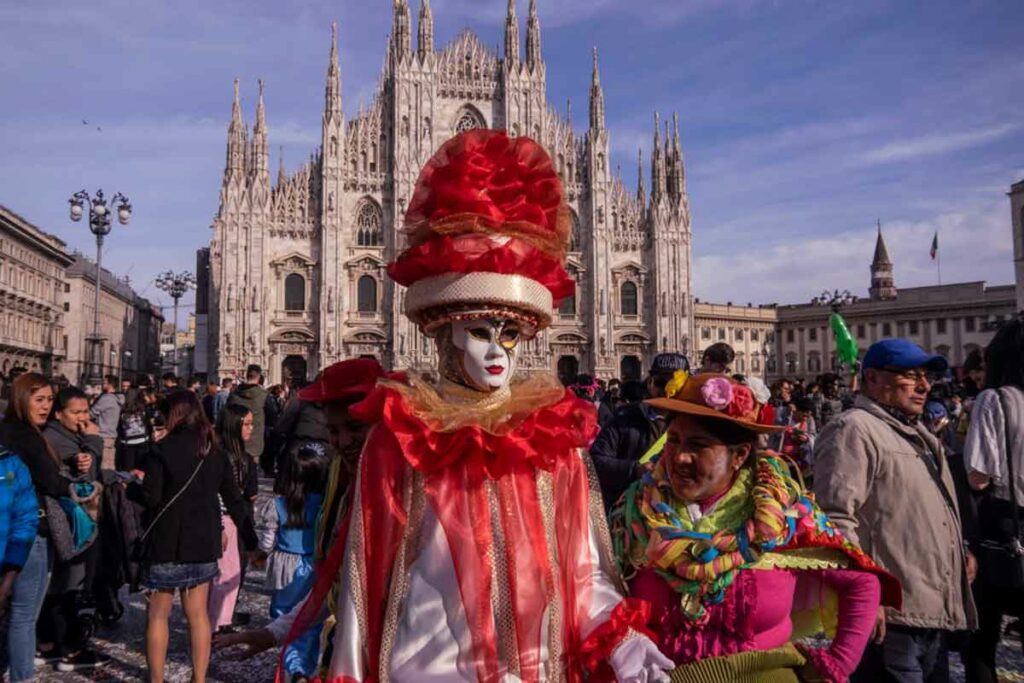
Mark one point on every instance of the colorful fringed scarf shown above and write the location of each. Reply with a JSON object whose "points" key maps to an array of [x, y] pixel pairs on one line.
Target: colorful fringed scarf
{"points": [[759, 514]]}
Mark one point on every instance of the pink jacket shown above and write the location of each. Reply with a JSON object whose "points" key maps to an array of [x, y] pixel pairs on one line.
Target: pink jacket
{"points": [[755, 615]]}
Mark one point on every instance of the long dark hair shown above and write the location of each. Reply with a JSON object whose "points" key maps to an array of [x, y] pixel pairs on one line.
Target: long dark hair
{"points": [[1004, 356], [185, 413], [304, 473], [229, 438], [20, 405]]}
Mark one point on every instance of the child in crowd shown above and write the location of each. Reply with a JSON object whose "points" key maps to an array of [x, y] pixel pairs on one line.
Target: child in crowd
{"points": [[287, 534]]}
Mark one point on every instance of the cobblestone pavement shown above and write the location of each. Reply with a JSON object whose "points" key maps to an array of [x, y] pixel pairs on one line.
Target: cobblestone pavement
{"points": [[125, 644]]}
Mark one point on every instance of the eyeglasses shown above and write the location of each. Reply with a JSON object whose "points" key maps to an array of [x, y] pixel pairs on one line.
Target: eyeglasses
{"points": [[915, 376]]}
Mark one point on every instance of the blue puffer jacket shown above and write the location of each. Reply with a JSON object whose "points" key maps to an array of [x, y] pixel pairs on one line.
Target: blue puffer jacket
{"points": [[19, 511]]}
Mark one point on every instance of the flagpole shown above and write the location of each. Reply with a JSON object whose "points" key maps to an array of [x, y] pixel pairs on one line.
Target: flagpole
{"points": [[938, 260]]}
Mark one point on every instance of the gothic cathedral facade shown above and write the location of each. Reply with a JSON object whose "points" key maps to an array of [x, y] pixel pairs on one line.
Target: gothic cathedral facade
{"points": [[298, 266]]}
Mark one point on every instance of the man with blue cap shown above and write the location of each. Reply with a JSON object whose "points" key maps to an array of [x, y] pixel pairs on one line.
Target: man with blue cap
{"points": [[882, 477]]}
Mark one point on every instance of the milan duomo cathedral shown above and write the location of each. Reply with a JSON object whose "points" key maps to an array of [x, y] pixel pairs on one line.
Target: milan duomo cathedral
{"points": [[298, 266]]}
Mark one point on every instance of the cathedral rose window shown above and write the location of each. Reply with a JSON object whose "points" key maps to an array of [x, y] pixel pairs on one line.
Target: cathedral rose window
{"points": [[369, 220], [469, 119]]}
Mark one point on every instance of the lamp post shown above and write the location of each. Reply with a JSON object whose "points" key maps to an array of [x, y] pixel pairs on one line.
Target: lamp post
{"points": [[99, 225], [175, 284], [846, 346], [127, 361], [835, 299]]}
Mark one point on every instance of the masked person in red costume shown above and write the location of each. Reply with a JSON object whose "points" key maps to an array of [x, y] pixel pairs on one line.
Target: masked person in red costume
{"points": [[476, 548]]}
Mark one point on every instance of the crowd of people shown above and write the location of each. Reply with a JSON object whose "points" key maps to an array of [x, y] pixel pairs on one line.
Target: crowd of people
{"points": [[477, 523]]}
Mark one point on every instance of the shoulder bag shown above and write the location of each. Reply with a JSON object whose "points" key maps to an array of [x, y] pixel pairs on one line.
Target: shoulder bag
{"points": [[139, 545], [1002, 561]]}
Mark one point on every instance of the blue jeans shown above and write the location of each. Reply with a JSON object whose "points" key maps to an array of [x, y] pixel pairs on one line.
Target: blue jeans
{"points": [[26, 601], [907, 655]]}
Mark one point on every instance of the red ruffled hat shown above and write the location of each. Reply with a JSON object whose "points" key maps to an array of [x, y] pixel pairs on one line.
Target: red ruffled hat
{"points": [[487, 230], [347, 380]]}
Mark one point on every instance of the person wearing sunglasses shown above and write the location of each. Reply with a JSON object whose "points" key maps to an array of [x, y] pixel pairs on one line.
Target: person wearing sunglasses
{"points": [[882, 477]]}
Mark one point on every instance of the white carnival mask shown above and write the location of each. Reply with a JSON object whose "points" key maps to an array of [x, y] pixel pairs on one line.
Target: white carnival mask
{"points": [[487, 348]]}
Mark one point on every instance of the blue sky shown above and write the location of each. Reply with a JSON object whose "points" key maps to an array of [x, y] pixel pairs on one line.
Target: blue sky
{"points": [[802, 121]]}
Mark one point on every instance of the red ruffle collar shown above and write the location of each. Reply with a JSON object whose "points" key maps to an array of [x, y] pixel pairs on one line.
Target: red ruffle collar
{"points": [[540, 439]]}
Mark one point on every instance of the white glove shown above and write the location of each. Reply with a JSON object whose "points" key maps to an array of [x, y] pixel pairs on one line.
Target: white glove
{"points": [[638, 660]]}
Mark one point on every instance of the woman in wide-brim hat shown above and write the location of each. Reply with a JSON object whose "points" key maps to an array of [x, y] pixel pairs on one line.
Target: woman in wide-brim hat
{"points": [[734, 556]]}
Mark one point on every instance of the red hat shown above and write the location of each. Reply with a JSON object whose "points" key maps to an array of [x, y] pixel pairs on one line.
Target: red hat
{"points": [[347, 380], [487, 230]]}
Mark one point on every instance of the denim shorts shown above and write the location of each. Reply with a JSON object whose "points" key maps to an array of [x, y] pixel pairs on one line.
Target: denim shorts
{"points": [[171, 575]]}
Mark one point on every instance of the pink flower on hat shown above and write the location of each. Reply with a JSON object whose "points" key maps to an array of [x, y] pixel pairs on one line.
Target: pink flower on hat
{"points": [[742, 403], [717, 393]]}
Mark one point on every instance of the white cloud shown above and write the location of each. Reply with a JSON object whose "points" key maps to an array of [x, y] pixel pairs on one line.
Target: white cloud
{"points": [[929, 145], [974, 245]]}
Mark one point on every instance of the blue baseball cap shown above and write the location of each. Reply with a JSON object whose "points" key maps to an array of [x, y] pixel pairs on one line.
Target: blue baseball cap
{"points": [[901, 354]]}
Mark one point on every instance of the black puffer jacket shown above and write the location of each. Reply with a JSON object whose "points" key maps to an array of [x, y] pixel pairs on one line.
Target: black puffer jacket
{"points": [[615, 452]]}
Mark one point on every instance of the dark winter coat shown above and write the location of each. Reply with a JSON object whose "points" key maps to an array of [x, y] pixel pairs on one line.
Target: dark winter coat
{"points": [[190, 529], [621, 444]]}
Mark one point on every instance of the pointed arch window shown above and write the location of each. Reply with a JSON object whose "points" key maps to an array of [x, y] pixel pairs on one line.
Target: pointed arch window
{"points": [[366, 294], [369, 224], [295, 293], [628, 304], [468, 119]]}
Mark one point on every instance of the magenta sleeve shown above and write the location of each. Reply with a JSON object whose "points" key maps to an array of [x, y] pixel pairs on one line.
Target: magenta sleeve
{"points": [[860, 594]]}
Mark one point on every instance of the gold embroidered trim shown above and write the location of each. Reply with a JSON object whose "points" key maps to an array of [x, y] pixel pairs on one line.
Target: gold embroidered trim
{"points": [[501, 596], [553, 666], [804, 558], [357, 561], [600, 524], [412, 500], [498, 417]]}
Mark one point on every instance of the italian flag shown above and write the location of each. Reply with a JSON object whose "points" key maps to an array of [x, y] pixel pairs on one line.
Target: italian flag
{"points": [[935, 245]]}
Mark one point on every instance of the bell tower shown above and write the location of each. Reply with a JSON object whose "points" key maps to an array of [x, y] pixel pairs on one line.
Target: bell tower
{"points": [[883, 285]]}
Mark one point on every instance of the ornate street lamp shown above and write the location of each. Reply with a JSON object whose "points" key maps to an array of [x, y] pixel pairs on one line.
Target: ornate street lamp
{"points": [[99, 225], [175, 284], [835, 299]]}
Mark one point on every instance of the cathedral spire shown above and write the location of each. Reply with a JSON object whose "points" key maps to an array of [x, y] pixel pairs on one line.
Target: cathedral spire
{"points": [[235, 164], [596, 98], [533, 56], [260, 153], [511, 37], [641, 192], [657, 163], [332, 90], [280, 166], [425, 39], [401, 32], [678, 188]]}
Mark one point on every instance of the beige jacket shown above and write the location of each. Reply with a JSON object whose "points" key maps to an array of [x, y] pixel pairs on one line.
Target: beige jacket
{"points": [[871, 477]]}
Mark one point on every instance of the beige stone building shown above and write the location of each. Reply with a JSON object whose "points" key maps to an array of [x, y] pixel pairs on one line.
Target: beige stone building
{"points": [[749, 330], [949, 320], [297, 264], [129, 324], [32, 265]]}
